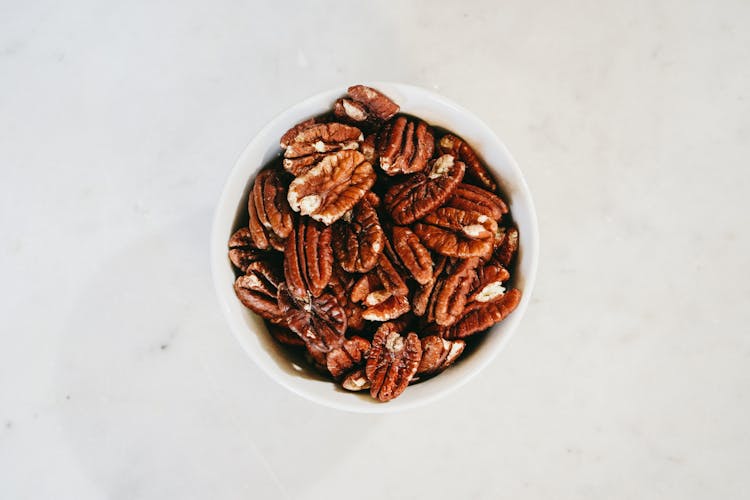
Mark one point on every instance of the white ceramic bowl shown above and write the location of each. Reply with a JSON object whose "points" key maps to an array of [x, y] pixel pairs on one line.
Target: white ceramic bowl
{"points": [[250, 330]]}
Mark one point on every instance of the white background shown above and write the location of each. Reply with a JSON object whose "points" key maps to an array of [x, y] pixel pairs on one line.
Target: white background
{"points": [[628, 378]]}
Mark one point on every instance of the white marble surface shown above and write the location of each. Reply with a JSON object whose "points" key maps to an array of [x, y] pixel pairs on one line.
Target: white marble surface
{"points": [[629, 377]]}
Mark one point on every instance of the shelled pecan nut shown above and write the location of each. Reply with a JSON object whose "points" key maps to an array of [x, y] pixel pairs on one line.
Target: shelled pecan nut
{"points": [[377, 104], [319, 321], [332, 188], [391, 307], [457, 233], [489, 283], [270, 216], [356, 381], [475, 171], [423, 192], [308, 258], [315, 141], [242, 249], [284, 335], [481, 315], [476, 199], [405, 146], [257, 290], [508, 247], [449, 296], [438, 354], [412, 254], [352, 353], [392, 363], [358, 238]]}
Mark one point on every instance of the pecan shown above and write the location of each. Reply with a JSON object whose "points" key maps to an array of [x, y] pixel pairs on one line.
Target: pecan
{"points": [[422, 192], [405, 146], [412, 254], [358, 238], [389, 308], [377, 104], [314, 142], [368, 148], [421, 296], [356, 381], [352, 353], [481, 315], [308, 258], [457, 233], [341, 285], [353, 112], [242, 250], [438, 354], [290, 134], [332, 188], [284, 335], [489, 283], [507, 247], [392, 363], [473, 198], [270, 215], [257, 290], [450, 292], [319, 321], [475, 171]]}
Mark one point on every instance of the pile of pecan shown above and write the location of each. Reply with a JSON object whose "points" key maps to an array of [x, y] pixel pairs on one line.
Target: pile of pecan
{"points": [[376, 244]]}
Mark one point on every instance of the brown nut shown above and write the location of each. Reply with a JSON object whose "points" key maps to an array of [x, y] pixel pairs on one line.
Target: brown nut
{"points": [[507, 248], [421, 297], [332, 188], [476, 199], [392, 363], [314, 142], [356, 381], [405, 146], [489, 283], [475, 171], [479, 316], [319, 321], [284, 335], [450, 293], [308, 258], [457, 233], [242, 249], [290, 134], [376, 103], [341, 285], [352, 353], [368, 149], [438, 354], [270, 215], [391, 307], [412, 254], [257, 290], [358, 238], [422, 192]]}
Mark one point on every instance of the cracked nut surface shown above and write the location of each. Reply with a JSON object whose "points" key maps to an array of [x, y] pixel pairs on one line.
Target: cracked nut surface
{"points": [[308, 258], [351, 354], [481, 315], [423, 192], [358, 238], [332, 188], [314, 142], [457, 233], [475, 171], [319, 321], [393, 361], [405, 146], [438, 354], [242, 249], [257, 290], [377, 104]]}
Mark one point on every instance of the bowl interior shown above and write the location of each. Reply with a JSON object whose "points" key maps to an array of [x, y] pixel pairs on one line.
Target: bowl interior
{"points": [[274, 359]]}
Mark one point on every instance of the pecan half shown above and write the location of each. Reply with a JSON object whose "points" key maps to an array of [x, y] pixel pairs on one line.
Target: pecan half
{"points": [[422, 192], [457, 233], [319, 321], [438, 354], [242, 249], [358, 238], [481, 315], [352, 353], [308, 258], [507, 247], [356, 381], [412, 254], [489, 283], [378, 104], [387, 309], [284, 335], [421, 297], [257, 290], [392, 363], [405, 146], [341, 286], [290, 134], [476, 199], [332, 188], [475, 171], [312, 143], [270, 216], [450, 293]]}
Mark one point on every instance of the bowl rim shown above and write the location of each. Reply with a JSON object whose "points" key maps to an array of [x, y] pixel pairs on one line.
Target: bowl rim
{"points": [[217, 252]]}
